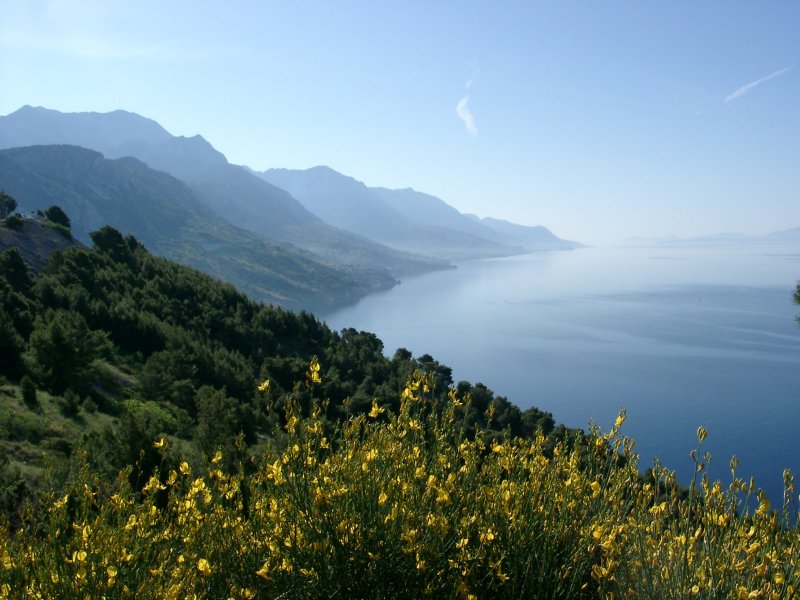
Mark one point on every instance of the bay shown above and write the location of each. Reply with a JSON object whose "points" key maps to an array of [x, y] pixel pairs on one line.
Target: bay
{"points": [[679, 336]]}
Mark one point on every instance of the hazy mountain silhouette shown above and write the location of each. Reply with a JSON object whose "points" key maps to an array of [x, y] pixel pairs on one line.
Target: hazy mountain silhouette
{"points": [[403, 219], [236, 194], [168, 218], [534, 237]]}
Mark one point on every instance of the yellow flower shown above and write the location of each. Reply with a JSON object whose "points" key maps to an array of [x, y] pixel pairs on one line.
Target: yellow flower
{"points": [[217, 457], [264, 386], [160, 443], [153, 484], [263, 572], [595, 485], [291, 424], [112, 571], [204, 567], [312, 374], [184, 468], [376, 410]]}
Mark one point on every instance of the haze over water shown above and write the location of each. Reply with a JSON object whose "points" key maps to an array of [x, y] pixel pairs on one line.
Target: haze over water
{"points": [[679, 336]]}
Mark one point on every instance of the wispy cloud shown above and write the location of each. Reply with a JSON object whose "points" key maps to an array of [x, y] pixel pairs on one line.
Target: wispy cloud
{"points": [[463, 112], [750, 86]]}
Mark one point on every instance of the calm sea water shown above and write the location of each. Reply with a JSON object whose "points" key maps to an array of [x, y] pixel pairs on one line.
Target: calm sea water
{"points": [[678, 336]]}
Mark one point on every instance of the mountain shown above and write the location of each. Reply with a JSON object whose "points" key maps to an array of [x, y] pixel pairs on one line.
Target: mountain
{"points": [[339, 200], [531, 237], [785, 234], [407, 219], [166, 215], [424, 208], [349, 204], [234, 193], [421, 208], [31, 126]]}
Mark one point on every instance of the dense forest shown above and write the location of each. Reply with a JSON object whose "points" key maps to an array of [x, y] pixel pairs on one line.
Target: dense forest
{"points": [[110, 348]]}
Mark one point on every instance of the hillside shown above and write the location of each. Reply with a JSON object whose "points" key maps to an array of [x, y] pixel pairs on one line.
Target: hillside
{"points": [[236, 195], [117, 346], [36, 239], [166, 215]]}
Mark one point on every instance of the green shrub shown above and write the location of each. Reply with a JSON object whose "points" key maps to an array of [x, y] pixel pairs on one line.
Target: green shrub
{"points": [[70, 404], [29, 396], [14, 222]]}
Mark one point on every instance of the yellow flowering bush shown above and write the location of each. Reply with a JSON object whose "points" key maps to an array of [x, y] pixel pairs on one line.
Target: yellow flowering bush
{"points": [[403, 505]]}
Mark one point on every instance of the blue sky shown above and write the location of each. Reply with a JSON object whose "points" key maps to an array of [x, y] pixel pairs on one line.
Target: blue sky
{"points": [[600, 120]]}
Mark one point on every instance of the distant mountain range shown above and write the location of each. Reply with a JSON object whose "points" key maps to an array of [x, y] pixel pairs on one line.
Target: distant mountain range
{"points": [[168, 218], [233, 192], [283, 236], [406, 219]]}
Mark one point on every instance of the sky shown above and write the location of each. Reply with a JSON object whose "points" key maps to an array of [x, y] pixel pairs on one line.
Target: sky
{"points": [[600, 120]]}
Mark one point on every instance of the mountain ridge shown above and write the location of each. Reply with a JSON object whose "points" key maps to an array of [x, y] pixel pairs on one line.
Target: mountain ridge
{"points": [[235, 194], [404, 218], [164, 214]]}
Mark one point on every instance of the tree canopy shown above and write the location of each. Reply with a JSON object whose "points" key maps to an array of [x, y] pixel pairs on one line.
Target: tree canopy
{"points": [[7, 205], [57, 215]]}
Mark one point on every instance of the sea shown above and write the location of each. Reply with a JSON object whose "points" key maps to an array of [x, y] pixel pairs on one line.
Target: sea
{"points": [[677, 335]]}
